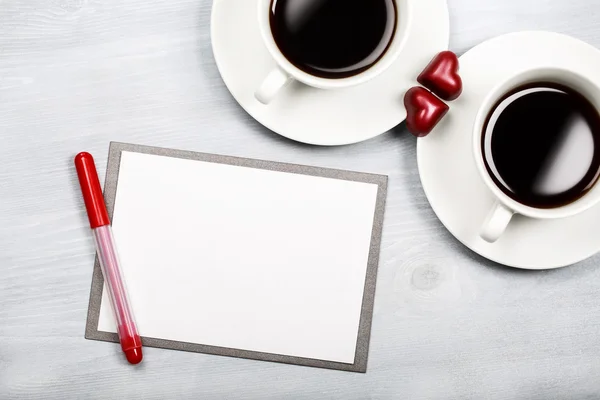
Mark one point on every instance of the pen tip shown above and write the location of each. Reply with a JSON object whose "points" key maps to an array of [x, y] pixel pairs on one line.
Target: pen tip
{"points": [[134, 356]]}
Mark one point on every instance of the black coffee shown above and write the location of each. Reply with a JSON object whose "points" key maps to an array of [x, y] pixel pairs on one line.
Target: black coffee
{"points": [[333, 38], [541, 145]]}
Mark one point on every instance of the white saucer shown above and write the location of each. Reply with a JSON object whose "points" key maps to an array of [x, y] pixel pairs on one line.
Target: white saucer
{"points": [[452, 183], [323, 117]]}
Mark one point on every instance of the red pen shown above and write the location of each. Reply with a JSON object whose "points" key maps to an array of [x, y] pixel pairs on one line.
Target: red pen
{"points": [[131, 342]]}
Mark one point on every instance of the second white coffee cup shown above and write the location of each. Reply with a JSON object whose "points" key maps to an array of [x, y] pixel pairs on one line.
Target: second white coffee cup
{"points": [[505, 207]]}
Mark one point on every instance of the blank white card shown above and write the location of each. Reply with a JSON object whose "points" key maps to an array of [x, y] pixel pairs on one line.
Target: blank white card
{"points": [[242, 258]]}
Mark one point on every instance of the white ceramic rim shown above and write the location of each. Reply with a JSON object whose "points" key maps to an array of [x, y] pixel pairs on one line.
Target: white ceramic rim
{"points": [[403, 22], [556, 75]]}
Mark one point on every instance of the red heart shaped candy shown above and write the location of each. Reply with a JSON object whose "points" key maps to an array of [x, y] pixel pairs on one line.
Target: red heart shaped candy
{"points": [[441, 76], [423, 111]]}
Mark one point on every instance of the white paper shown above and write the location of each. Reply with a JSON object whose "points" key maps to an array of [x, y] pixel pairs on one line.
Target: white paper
{"points": [[242, 258]]}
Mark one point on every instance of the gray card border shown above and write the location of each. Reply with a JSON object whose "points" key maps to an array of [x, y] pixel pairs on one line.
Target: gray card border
{"points": [[366, 317]]}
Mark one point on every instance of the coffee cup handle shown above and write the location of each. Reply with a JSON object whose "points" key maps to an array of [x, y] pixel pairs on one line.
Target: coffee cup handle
{"points": [[496, 222], [273, 83]]}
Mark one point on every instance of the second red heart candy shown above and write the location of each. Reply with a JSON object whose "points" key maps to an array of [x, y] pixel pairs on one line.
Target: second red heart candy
{"points": [[423, 111], [441, 76]]}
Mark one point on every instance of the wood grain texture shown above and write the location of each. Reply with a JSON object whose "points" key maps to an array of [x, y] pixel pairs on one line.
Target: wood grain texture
{"points": [[76, 74]]}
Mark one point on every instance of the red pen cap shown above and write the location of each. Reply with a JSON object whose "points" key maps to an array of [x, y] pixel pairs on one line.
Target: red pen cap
{"points": [[91, 190]]}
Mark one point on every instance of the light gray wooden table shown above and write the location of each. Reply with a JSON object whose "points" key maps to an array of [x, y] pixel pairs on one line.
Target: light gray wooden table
{"points": [[76, 74]]}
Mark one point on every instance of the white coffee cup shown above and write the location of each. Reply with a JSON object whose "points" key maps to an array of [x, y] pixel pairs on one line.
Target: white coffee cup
{"points": [[285, 72], [505, 207]]}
